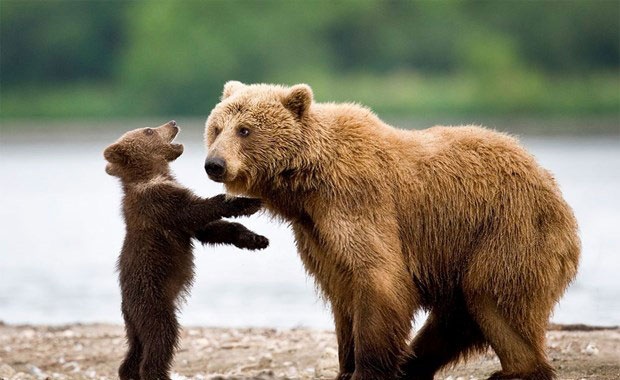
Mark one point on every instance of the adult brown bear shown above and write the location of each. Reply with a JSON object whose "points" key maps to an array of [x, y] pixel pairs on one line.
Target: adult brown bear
{"points": [[459, 221]]}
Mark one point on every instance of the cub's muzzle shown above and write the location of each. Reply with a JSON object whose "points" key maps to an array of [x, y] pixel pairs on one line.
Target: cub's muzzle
{"points": [[168, 131]]}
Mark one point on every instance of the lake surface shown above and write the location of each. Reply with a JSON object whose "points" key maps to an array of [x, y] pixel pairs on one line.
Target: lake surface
{"points": [[61, 231]]}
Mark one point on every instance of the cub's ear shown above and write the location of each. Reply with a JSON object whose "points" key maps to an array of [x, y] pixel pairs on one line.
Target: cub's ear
{"points": [[298, 100], [231, 87], [115, 154]]}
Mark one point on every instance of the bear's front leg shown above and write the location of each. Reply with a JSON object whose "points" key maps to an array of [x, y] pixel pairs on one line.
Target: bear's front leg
{"points": [[381, 299], [346, 346], [363, 272], [223, 232], [383, 311]]}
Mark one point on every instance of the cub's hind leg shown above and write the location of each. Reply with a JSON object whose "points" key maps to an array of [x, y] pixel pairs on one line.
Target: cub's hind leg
{"points": [[130, 367], [160, 340]]}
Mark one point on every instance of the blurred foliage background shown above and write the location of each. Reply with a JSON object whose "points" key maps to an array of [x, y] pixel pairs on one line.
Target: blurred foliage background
{"points": [[102, 59]]}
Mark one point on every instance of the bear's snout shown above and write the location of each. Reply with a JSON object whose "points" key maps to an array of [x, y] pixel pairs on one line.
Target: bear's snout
{"points": [[215, 168]]}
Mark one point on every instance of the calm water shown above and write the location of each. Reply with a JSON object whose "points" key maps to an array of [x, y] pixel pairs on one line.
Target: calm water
{"points": [[61, 231]]}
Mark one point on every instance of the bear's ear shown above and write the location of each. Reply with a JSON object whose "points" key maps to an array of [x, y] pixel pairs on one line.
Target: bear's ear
{"points": [[115, 154], [231, 87], [298, 99]]}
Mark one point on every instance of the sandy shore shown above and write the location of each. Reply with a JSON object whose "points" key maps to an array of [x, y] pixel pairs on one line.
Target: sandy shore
{"points": [[94, 352]]}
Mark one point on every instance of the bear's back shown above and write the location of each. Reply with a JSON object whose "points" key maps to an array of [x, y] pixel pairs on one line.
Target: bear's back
{"points": [[461, 188]]}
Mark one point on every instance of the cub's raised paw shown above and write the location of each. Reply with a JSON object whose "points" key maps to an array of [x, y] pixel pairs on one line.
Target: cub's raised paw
{"points": [[203, 236], [242, 206], [252, 241]]}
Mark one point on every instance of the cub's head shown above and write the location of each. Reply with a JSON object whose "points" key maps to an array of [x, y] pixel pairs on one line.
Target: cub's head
{"points": [[143, 153], [256, 133]]}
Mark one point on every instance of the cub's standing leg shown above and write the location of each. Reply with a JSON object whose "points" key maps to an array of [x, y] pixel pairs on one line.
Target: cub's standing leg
{"points": [[130, 368], [160, 336]]}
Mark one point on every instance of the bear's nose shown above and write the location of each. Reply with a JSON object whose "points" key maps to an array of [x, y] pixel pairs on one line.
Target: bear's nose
{"points": [[215, 167]]}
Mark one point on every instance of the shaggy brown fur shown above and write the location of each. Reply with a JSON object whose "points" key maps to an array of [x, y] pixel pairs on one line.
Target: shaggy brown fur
{"points": [[460, 221], [156, 262]]}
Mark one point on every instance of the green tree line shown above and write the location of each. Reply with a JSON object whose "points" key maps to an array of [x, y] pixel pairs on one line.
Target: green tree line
{"points": [[106, 58]]}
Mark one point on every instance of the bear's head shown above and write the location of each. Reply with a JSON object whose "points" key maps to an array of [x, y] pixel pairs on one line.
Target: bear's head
{"points": [[256, 134], [143, 153]]}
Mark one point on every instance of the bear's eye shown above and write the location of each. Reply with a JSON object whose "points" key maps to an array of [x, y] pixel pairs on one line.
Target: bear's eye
{"points": [[148, 131], [243, 131]]}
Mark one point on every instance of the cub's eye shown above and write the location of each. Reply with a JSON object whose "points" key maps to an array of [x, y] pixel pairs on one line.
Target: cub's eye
{"points": [[243, 132], [149, 131]]}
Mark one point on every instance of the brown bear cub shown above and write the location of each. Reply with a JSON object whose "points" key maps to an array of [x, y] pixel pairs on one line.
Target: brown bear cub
{"points": [[156, 262], [459, 221]]}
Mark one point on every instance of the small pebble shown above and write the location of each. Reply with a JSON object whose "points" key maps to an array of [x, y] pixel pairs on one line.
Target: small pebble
{"points": [[265, 360], [68, 334], [28, 333], [591, 349], [6, 371], [23, 376], [36, 371]]}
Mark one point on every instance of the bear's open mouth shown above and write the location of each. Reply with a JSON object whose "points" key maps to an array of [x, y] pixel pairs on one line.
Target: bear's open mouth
{"points": [[171, 138], [174, 134]]}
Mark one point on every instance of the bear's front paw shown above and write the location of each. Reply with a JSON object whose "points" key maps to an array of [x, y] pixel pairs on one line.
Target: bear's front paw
{"points": [[242, 206], [252, 241]]}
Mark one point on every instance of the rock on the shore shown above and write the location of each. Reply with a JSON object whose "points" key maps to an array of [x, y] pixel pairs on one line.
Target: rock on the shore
{"points": [[6, 371]]}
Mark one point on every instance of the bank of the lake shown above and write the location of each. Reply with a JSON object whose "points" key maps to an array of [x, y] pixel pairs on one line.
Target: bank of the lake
{"points": [[94, 351]]}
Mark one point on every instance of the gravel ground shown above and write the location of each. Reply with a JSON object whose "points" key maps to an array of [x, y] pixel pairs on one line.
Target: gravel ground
{"points": [[94, 351]]}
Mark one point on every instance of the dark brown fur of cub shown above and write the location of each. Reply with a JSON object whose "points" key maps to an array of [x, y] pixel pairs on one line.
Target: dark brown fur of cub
{"points": [[156, 261]]}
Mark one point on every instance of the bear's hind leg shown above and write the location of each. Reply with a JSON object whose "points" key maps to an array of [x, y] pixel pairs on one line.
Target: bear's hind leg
{"points": [[521, 357], [447, 336]]}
